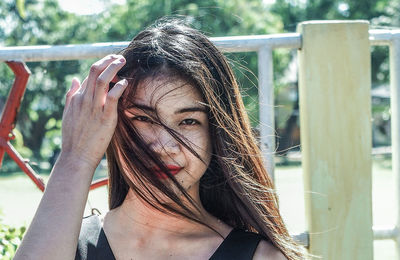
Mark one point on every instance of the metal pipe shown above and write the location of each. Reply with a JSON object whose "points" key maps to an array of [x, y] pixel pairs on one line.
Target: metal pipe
{"points": [[302, 239], [24, 165], [266, 107], [394, 54], [60, 52], [256, 42], [98, 183], [8, 117], [226, 44], [383, 37], [10, 110], [97, 50], [380, 233], [385, 233]]}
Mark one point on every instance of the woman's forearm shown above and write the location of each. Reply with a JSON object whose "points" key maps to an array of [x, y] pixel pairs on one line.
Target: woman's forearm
{"points": [[54, 231], [89, 120]]}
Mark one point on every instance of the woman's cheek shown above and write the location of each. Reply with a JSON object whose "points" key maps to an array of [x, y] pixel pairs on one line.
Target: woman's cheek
{"points": [[202, 146], [146, 131], [199, 141]]}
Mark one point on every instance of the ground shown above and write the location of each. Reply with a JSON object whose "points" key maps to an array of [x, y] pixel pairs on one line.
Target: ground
{"points": [[19, 198]]}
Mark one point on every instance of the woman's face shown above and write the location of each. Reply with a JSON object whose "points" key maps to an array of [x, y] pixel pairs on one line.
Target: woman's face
{"points": [[178, 105]]}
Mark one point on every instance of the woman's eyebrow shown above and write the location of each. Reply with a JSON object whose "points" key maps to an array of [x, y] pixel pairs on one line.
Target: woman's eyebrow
{"points": [[191, 109], [142, 107], [179, 111]]}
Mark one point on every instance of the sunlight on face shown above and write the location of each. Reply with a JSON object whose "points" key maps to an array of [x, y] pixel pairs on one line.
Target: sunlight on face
{"points": [[179, 106]]}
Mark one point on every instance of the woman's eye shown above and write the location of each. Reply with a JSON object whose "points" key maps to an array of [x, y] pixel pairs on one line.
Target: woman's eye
{"points": [[142, 119], [190, 121]]}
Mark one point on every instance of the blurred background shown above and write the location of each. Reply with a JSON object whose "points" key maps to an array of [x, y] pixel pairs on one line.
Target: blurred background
{"points": [[52, 22]]}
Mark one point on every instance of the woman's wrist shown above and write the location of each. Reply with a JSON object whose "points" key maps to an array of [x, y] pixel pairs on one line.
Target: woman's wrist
{"points": [[76, 163]]}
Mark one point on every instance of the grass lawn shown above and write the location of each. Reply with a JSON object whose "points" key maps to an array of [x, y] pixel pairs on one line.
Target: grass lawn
{"points": [[19, 199]]}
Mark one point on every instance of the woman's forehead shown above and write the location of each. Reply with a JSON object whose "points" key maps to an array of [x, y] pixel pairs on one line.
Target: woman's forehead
{"points": [[168, 91]]}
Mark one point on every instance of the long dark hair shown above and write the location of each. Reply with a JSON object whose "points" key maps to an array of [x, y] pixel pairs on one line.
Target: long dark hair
{"points": [[236, 187]]}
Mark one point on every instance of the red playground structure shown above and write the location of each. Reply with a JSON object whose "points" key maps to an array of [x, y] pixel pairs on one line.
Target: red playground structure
{"points": [[8, 121]]}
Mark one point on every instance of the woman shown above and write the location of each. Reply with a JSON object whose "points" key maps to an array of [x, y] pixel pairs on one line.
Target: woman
{"points": [[186, 177]]}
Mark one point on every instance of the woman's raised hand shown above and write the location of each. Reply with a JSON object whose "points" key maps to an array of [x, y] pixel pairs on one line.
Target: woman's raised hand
{"points": [[90, 113], [89, 121]]}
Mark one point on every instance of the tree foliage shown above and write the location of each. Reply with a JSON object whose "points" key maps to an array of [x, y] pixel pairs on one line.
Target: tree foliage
{"points": [[10, 239], [380, 14], [44, 23]]}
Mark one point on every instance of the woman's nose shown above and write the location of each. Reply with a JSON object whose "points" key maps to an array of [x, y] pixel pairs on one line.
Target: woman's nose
{"points": [[163, 143]]}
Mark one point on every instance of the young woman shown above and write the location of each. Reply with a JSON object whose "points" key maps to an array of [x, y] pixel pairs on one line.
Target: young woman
{"points": [[186, 178]]}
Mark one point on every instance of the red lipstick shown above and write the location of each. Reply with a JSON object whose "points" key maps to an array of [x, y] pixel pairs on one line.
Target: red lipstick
{"points": [[172, 169]]}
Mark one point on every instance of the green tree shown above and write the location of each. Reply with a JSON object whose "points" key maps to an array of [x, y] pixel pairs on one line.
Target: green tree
{"points": [[44, 23], [380, 13], [214, 18]]}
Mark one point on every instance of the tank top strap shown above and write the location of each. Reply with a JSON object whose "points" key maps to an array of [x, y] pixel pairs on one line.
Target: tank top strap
{"points": [[239, 244]]}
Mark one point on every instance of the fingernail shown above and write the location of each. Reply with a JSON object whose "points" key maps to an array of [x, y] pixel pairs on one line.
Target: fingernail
{"points": [[122, 59], [124, 82]]}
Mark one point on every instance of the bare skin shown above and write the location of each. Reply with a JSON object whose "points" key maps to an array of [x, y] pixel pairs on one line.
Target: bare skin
{"points": [[148, 235], [155, 236], [134, 230], [54, 231], [138, 231]]}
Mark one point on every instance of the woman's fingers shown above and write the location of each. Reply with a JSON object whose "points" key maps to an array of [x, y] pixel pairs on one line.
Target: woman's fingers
{"points": [[95, 70], [110, 106], [103, 81], [87, 129], [75, 84]]}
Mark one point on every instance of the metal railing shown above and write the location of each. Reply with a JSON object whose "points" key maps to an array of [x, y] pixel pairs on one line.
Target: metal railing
{"points": [[391, 38], [263, 45]]}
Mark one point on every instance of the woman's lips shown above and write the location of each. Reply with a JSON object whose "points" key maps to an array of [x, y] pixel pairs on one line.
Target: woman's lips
{"points": [[173, 170]]}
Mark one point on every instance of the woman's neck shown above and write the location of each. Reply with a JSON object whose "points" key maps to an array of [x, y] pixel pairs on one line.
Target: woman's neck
{"points": [[137, 230], [135, 216]]}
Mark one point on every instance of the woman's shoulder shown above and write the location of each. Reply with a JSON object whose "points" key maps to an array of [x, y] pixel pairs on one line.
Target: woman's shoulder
{"points": [[266, 250]]}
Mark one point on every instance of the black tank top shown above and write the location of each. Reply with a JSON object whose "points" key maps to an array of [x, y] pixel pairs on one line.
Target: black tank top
{"points": [[93, 244]]}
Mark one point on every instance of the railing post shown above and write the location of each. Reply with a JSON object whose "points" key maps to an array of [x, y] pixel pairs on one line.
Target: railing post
{"points": [[395, 124], [335, 120], [266, 107]]}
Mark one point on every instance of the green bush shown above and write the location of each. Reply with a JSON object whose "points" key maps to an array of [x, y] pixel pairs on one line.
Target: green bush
{"points": [[10, 239]]}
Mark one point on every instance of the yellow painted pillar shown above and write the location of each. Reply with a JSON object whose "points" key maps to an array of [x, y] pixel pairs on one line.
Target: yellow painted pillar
{"points": [[335, 119]]}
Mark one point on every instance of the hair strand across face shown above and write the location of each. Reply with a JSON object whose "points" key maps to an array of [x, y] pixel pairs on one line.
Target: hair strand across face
{"points": [[235, 187]]}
